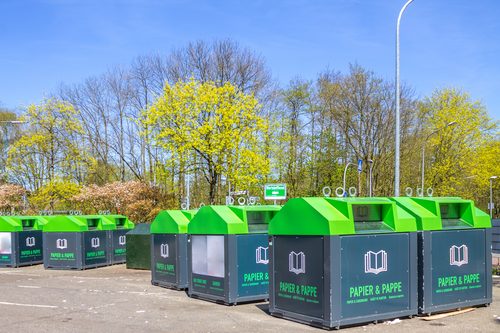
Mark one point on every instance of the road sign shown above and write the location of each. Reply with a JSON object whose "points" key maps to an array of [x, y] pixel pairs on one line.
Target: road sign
{"points": [[360, 165], [275, 192]]}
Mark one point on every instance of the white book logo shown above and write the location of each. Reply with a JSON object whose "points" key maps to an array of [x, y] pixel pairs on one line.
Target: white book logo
{"points": [[95, 242], [61, 243], [375, 262], [30, 241], [459, 255], [261, 255], [122, 240], [164, 250], [297, 262]]}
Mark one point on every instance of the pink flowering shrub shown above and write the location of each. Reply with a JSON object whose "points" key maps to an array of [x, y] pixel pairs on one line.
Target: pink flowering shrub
{"points": [[139, 201], [11, 198]]}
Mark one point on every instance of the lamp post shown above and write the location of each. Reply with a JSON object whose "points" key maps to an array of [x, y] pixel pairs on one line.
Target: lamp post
{"points": [[370, 176], [397, 140], [12, 121], [345, 172], [451, 123], [188, 199], [491, 195]]}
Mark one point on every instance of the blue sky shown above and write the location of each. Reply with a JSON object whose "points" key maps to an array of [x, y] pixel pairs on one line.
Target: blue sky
{"points": [[447, 43]]}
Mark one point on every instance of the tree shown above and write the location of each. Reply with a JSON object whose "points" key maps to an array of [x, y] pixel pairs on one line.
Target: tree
{"points": [[454, 152], [55, 195], [361, 106], [9, 131], [216, 127], [219, 62], [292, 149], [49, 150]]}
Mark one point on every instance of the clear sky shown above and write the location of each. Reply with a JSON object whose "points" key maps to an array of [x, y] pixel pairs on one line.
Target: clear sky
{"points": [[446, 43]]}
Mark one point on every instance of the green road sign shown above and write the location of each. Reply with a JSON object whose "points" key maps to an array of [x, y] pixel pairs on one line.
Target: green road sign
{"points": [[275, 192]]}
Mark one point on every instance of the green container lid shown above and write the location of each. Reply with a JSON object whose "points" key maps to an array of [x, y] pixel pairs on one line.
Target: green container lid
{"points": [[444, 213], [172, 221], [119, 221], [340, 216], [231, 220], [77, 223], [20, 223]]}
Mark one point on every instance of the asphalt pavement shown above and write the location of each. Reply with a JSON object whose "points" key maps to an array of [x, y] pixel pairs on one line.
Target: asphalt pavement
{"points": [[115, 299]]}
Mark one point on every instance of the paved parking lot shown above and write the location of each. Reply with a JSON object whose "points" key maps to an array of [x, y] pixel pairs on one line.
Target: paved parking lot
{"points": [[114, 299]]}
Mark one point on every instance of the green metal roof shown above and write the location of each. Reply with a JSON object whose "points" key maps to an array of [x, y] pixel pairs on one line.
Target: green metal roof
{"points": [[20, 223], [221, 220], [120, 221], [444, 212], [340, 216], [77, 223], [172, 221]]}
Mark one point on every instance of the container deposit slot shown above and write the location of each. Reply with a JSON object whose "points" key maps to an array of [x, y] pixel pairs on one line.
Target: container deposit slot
{"points": [[120, 222], [451, 217], [92, 223], [28, 224], [258, 221], [368, 218]]}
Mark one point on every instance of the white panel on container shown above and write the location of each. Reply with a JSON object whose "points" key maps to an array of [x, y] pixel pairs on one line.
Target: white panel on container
{"points": [[5, 243], [215, 255], [199, 255]]}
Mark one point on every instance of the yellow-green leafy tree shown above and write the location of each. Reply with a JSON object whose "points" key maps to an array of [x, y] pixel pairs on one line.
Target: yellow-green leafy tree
{"points": [[218, 127], [49, 157], [55, 195], [460, 143]]}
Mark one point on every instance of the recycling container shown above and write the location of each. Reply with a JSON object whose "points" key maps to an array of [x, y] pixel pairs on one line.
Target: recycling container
{"points": [[228, 253], [169, 249], [75, 242], [495, 244], [117, 240], [454, 253], [139, 247], [21, 241], [336, 262]]}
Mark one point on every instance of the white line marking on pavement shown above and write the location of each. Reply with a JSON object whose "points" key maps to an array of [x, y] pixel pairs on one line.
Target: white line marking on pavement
{"points": [[30, 305], [18, 273], [31, 287]]}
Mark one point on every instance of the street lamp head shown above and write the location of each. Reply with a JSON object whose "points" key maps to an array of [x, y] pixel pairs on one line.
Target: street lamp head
{"points": [[370, 161], [493, 177], [12, 121], [451, 123]]}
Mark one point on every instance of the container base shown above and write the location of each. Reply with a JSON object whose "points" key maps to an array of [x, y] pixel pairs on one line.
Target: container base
{"points": [[167, 285]]}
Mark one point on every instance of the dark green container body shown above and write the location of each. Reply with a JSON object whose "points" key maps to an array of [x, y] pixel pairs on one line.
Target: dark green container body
{"points": [[169, 248], [21, 248], [338, 262], [76, 242], [228, 269], [454, 253], [75, 250], [117, 242], [138, 245], [21, 242], [169, 260], [454, 269], [228, 253], [369, 277]]}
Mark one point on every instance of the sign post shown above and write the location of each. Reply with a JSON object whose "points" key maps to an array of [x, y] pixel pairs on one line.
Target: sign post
{"points": [[275, 192], [360, 169]]}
